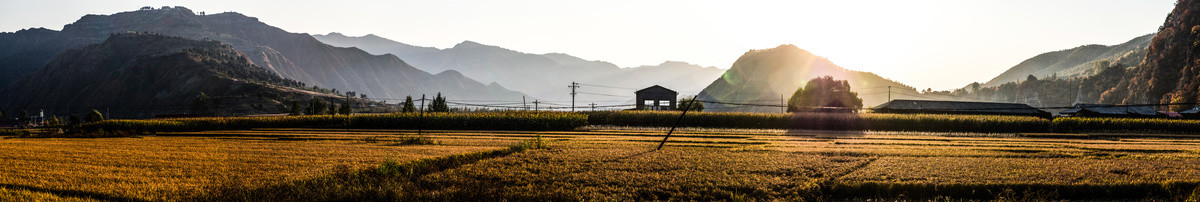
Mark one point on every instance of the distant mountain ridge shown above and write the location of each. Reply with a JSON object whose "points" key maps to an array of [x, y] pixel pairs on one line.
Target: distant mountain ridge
{"points": [[1075, 62], [291, 55], [542, 75], [764, 76], [138, 75]]}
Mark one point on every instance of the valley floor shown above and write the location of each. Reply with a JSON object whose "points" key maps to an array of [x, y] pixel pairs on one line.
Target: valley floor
{"points": [[605, 163]]}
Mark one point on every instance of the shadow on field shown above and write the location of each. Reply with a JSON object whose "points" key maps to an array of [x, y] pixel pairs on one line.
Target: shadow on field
{"points": [[831, 134], [70, 193]]}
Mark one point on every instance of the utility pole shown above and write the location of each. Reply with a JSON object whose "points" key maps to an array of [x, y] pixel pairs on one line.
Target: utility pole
{"points": [[535, 105], [523, 105], [782, 106], [573, 86], [889, 93], [419, 128], [593, 106]]}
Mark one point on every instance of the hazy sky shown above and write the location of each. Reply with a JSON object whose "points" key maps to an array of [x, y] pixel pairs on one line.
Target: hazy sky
{"points": [[926, 44]]}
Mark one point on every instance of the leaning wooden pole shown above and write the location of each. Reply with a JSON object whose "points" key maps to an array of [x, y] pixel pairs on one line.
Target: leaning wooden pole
{"points": [[685, 110]]}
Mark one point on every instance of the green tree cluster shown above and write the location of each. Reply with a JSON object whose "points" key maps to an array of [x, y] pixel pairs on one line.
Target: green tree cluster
{"points": [[296, 110], [824, 92], [690, 105], [316, 107], [439, 104], [408, 105], [345, 109], [94, 116]]}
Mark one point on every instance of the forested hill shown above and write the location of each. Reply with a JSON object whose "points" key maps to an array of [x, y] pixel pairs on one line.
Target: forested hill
{"points": [[139, 75], [1170, 72], [1075, 62], [763, 76]]}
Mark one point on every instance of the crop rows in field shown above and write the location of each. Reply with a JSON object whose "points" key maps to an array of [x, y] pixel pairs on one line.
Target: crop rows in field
{"points": [[606, 164]]}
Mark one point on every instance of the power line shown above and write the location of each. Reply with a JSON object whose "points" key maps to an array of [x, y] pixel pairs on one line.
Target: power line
{"points": [[604, 86], [601, 94]]}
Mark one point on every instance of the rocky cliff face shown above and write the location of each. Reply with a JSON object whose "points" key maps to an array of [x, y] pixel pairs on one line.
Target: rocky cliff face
{"points": [[1170, 73], [763, 76], [138, 75], [291, 55]]}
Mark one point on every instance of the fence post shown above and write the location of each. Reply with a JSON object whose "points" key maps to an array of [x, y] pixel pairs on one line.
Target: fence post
{"points": [[685, 110]]}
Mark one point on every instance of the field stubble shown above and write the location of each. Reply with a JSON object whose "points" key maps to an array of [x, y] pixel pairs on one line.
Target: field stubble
{"points": [[613, 164]]}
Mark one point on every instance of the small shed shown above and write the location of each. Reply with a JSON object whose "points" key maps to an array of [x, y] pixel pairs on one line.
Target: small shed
{"points": [[958, 107], [1114, 111], [656, 98]]}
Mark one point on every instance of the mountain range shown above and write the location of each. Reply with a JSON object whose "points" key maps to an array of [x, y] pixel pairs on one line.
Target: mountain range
{"points": [[134, 74], [540, 75], [294, 56], [1075, 62]]}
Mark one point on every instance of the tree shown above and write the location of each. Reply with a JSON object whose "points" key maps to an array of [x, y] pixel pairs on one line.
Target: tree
{"points": [[1031, 78], [200, 105], [408, 105], [296, 110], [824, 92], [975, 86], [53, 121], [94, 116], [346, 109], [316, 107], [23, 114], [693, 106], [439, 104], [74, 120], [5, 115], [333, 109], [364, 96], [351, 94]]}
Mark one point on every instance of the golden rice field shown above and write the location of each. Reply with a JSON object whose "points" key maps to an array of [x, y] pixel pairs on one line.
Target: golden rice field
{"points": [[603, 163]]}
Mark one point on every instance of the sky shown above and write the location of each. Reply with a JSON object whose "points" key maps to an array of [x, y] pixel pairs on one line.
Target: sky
{"points": [[939, 44]]}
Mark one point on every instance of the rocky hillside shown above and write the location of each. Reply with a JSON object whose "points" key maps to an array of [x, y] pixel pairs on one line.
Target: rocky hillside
{"points": [[530, 73], [1170, 72], [139, 75], [291, 55], [762, 76], [1075, 62]]}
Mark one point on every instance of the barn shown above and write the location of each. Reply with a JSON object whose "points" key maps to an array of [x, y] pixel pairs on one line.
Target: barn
{"points": [[1113, 111], [958, 107], [1193, 113], [656, 98]]}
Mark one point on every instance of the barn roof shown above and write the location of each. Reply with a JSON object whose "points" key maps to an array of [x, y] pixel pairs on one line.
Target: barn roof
{"points": [[655, 88], [937, 106], [1194, 110], [1113, 110]]}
